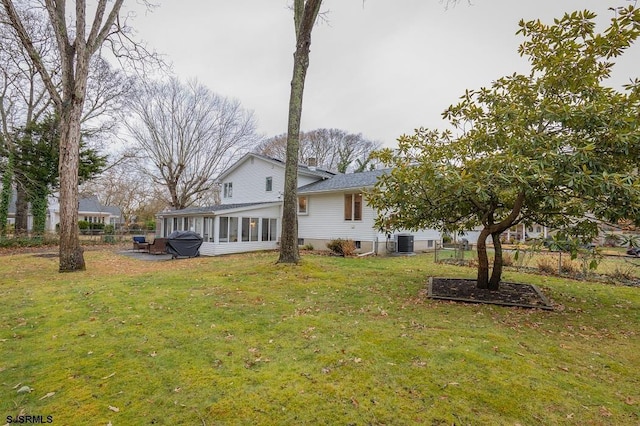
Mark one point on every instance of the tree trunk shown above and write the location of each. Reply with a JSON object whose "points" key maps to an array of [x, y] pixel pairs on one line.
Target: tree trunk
{"points": [[304, 18], [289, 238], [39, 211], [5, 197], [483, 260], [71, 257], [22, 210], [496, 273]]}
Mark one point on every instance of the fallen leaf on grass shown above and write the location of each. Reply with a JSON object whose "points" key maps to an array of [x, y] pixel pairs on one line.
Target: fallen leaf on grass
{"points": [[604, 412], [114, 409], [153, 354], [25, 389], [48, 395], [109, 376], [630, 401]]}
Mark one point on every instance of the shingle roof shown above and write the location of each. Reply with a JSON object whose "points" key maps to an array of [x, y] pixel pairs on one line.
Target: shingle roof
{"points": [[90, 204], [344, 181]]}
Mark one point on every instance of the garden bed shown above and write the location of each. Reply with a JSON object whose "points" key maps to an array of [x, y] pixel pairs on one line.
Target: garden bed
{"points": [[509, 294]]}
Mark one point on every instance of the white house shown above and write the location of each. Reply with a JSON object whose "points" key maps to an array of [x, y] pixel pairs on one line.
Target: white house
{"points": [[249, 217], [89, 209]]}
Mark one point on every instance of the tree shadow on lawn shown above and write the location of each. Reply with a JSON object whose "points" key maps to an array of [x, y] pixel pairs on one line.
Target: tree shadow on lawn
{"points": [[509, 294]]}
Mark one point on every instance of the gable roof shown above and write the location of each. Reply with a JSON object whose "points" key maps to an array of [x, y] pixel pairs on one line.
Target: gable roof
{"points": [[343, 182], [302, 169]]}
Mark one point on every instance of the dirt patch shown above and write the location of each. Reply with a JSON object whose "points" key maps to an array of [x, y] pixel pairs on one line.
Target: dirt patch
{"points": [[509, 294]]}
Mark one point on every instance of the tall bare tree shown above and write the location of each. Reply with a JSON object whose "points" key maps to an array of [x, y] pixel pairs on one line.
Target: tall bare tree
{"points": [[77, 41], [333, 149], [122, 185], [305, 13], [23, 100], [189, 135]]}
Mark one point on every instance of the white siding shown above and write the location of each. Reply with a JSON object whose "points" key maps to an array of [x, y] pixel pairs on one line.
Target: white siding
{"points": [[249, 181], [214, 249], [325, 221]]}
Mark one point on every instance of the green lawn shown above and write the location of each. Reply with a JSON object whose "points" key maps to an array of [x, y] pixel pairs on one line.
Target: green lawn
{"points": [[242, 340]]}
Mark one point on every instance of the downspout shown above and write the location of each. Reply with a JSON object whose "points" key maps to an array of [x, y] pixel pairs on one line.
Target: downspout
{"points": [[374, 246]]}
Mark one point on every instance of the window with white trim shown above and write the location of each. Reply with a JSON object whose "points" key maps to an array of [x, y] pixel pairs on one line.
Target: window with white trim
{"points": [[303, 204], [228, 232], [250, 229], [353, 207], [227, 191], [269, 229], [268, 184]]}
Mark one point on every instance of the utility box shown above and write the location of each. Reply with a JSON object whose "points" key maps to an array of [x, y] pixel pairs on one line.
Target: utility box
{"points": [[404, 243]]}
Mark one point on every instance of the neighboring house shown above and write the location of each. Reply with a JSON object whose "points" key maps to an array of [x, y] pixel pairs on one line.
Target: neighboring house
{"points": [[89, 209], [517, 233], [250, 216]]}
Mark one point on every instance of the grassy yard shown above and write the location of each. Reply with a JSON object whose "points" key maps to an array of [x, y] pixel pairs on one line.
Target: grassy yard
{"points": [[242, 340]]}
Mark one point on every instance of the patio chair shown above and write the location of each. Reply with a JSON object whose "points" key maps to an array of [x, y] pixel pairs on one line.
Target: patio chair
{"points": [[139, 243], [158, 246]]}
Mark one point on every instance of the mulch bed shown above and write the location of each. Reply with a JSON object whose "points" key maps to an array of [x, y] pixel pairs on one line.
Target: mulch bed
{"points": [[509, 294]]}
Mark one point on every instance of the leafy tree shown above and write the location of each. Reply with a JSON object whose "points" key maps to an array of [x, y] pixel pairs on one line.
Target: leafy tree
{"points": [[36, 153], [555, 147]]}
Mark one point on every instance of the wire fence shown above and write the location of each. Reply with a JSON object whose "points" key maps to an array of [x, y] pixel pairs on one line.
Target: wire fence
{"points": [[586, 264]]}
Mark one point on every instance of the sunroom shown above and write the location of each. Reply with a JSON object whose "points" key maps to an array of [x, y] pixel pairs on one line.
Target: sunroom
{"points": [[227, 228]]}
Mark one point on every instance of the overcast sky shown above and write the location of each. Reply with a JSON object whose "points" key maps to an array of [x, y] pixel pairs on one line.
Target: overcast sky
{"points": [[381, 68]]}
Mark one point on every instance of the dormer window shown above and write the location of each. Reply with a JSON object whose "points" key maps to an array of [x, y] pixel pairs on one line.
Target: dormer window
{"points": [[228, 190]]}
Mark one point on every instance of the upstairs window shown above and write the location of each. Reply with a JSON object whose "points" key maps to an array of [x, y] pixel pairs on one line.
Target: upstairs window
{"points": [[353, 207], [268, 185], [228, 190]]}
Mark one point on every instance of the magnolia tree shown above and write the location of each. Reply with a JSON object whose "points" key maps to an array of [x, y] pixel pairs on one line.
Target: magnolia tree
{"points": [[555, 147]]}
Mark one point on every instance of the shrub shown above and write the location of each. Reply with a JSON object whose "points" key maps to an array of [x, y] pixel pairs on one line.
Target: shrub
{"points": [[109, 229], [342, 247], [507, 259], [547, 265], [36, 241], [570, 267], [307, 247]]}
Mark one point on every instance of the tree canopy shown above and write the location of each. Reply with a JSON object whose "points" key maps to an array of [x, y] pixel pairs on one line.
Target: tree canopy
{"points": [[332, 149], [556, 147], [188, 134]]}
